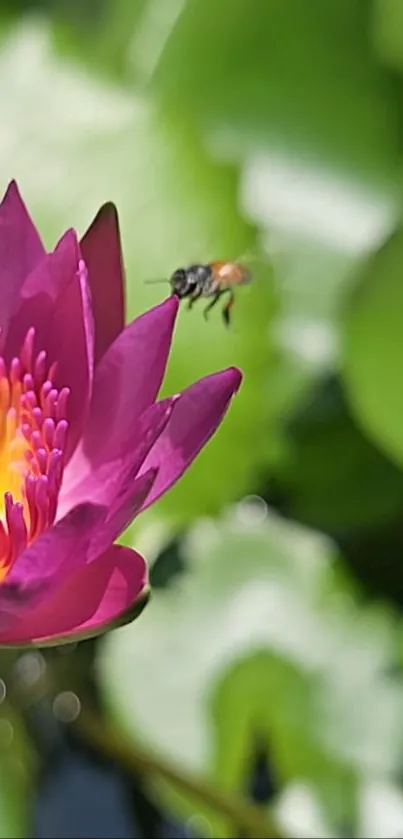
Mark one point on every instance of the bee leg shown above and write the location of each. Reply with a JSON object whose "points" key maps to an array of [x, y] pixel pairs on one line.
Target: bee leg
{"points": [[226, 312], [195, 296], [212, 303]]}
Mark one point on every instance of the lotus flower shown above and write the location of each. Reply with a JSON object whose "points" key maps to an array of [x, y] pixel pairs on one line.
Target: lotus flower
{"points": [[84, 444]]}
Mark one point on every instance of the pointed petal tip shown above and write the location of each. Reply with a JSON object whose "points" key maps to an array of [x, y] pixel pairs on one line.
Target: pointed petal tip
{"points": [[235, 376], [12, 186], [109, 209], [171, 303], [69, 239], [161, 315], [108, 212], [174, 302], [168, 309], [12, 192], [230, 379]]}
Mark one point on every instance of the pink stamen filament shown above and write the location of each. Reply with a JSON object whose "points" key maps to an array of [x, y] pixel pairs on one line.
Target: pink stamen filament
{"points": [[33, 432]]}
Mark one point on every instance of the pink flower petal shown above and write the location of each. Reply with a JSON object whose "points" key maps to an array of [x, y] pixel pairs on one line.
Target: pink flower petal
{"points": [[129, 499], [97, 595], [101, 250], [128, 378], [100, 479], [71, 342], [55, 300], [40, 292], [20, 250], [196, 416], [76, 540], [39, 571]]}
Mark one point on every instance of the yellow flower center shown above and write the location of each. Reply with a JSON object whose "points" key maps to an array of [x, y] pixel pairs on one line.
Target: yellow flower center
{"points": [[33, 432]]}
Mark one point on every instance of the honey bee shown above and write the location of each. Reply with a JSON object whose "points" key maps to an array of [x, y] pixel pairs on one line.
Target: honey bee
{"points": [[211, 280]]}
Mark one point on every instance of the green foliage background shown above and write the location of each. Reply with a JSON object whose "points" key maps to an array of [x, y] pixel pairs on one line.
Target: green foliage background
{"points": [[273, 128]]}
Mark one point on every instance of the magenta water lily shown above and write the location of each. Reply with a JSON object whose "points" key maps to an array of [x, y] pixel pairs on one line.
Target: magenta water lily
{"points": [[85, 444]]}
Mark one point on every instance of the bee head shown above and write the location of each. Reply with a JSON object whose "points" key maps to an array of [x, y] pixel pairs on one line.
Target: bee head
{"points": [[181, 282]]}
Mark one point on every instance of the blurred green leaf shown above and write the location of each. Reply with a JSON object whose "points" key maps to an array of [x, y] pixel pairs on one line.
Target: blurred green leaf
{"points": [[333, 478], [261, 638], [175, 206], [373, 348], [98, 32], [17, 774], [297, 76], [300, 84], [13, 807], [294, 93], [387, 29]]}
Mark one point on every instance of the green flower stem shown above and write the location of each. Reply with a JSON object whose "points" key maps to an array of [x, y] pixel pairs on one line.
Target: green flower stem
{"points": [[247, 817]]}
